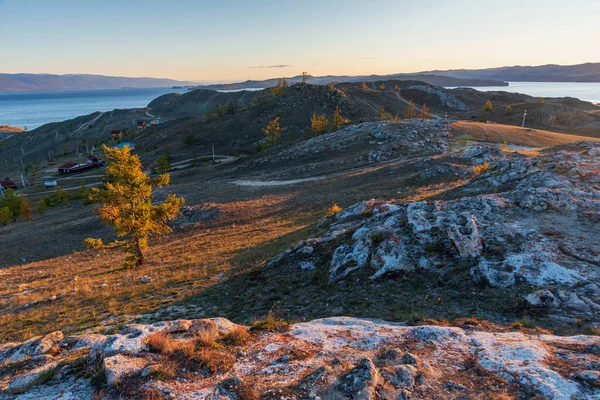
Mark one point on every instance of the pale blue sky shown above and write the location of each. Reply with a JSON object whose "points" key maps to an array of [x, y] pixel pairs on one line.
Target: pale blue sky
{"points": [[230, 39]]}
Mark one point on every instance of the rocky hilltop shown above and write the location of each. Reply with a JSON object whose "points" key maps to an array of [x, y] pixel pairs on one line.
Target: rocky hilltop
{"points": [[332, 358]]}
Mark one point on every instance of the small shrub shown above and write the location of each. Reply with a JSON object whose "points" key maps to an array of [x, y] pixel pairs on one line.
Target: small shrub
{"points": [[94, 243], [6, 216], [334, 209], [480, 169], [41, 206]]}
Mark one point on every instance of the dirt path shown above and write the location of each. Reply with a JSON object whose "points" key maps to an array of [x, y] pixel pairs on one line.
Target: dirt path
{"points": [[366, 168], [90, 122], [276, 183]]}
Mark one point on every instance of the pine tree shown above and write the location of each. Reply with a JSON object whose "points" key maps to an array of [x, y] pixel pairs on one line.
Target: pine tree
{"points": [[338, 120], [410, 110], [128, 206], [424, 114], [273, 132]]}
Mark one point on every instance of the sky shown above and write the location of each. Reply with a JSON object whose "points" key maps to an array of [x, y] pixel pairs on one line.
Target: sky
{"points": [[232, 40]]}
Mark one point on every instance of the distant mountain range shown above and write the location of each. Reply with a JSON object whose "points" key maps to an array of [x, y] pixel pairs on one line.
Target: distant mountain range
{"points": [[589, 72], [29, 82]]}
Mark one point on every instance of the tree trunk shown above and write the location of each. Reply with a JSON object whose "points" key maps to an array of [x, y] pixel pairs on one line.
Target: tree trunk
{"points": [[138, 254]]}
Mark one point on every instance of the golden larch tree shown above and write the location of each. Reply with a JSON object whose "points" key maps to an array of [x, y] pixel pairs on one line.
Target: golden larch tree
{"points": [[424, 114], [338, 120], [273, 132], [319, 124], [488, 106], [410, 110], [128, 204]]}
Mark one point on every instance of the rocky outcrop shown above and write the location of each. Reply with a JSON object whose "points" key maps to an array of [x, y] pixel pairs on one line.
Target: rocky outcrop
{"points": [[537, 226], [333, 358]]}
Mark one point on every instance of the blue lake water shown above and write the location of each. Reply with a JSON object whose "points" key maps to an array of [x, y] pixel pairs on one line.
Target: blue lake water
{"points": [[33, 109], [582, 91]]}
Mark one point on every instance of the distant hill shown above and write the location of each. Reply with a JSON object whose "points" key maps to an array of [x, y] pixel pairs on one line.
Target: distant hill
{"points": [[431, 79], [27, 82], [589, 72]]}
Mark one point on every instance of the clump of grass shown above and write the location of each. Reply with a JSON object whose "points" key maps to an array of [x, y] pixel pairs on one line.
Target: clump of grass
{"points": [[236, 336], [214, 360], [160, 342], [167, 370], [206, 337], [270, 324]]}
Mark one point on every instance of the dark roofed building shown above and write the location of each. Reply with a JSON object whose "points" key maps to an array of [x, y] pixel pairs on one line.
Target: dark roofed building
{"points": [[8, 185]]}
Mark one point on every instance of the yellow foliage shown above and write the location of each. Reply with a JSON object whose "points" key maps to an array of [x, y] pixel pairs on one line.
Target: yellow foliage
{"points": [[410, 110], [335, 209], [338, 120], [488, 106], [127, 202], [319, 124], [424, 114], [273, 132], [480, 169]]}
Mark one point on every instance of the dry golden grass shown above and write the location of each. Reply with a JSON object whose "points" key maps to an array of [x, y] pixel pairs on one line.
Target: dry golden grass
{"points": [[79, 291], [206, 338], [161, 343], [497, 133], [215, 361], [236, 336], [166, 370]]}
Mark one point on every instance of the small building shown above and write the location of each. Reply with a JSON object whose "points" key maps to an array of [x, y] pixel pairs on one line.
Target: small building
{"points": [[72, 168], [157, 121], [141, 125], [8, 185], [116, 135], [125, 144]]}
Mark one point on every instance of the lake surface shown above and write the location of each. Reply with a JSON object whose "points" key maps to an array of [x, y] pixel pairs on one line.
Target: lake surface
{"points": [[34, 109], [582, 91]]}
